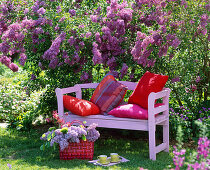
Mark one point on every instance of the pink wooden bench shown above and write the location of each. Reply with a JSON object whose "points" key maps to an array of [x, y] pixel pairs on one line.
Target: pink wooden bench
{"points": [[126, 123]]}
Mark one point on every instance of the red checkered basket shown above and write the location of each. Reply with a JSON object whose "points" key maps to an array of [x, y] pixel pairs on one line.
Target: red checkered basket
{"points": [[82, 150]]}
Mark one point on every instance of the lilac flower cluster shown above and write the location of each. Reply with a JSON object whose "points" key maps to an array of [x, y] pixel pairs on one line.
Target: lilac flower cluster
{"points": [[52, 52], [108, 44], [92, 133], [38, 7], [70, 134], [84, 76], [12, 43]]}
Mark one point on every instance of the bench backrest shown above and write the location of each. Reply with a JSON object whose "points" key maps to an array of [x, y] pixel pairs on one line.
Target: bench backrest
{"points": [[79, 87]]}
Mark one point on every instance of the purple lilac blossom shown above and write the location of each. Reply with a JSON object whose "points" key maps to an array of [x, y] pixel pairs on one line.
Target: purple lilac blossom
{"points": [[22, 59], [97, 59], [126, 14], [198, 79], [120, 27], [124, 70], [72, 12], [33, 77], [62, 19], [58, 9], [4, 47], [41, 11], [38, 30], [175, 43], [13, 67], [53, 63], [53, 51], [111, 63], [98, 37], [136, 51], [81, 26], [175, 79], [88, 34], [84, 76], [71, 41], [5, 60], [94, 18], [140, 35]]}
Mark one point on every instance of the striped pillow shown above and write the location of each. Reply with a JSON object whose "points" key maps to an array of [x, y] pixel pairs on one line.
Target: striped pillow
{"points": [[108, 94]]}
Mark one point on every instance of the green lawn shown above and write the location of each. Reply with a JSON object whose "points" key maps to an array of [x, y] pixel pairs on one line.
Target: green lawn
{"points": [[21, 150]]}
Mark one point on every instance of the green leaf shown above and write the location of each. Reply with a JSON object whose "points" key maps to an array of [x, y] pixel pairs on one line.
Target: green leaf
{"points": [[51, 128], [43, 135], [42, 148], [84, 137], [53, 134], [64, 130], [49, 137], [54, 146]]}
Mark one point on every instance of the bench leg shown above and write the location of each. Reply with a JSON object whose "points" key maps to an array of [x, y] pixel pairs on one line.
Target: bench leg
{"points": [[166, 135], [152, 143]]}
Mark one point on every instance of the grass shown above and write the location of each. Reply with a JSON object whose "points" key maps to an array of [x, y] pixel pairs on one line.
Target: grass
{"points": [[21, 150]]}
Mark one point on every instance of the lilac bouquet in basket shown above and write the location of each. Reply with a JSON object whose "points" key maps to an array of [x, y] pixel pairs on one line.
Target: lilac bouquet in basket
{"points": [[69, 134]]}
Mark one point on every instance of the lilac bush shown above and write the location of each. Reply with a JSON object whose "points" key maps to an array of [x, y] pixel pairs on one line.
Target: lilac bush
{"points": [[63, 43]]}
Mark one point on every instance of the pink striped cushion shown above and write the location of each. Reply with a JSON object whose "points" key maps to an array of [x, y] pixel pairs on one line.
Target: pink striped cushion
{"points": [[108, 94]]}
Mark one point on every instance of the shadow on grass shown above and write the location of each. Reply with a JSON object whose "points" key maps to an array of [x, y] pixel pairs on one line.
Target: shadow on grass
{"points": [[24, 149]]}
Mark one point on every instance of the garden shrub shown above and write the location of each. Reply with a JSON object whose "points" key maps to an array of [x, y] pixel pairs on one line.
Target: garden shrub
{"points": [[16, 107]]}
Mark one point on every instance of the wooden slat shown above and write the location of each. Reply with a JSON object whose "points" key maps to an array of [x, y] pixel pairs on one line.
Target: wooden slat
{"points": [[69, 90], [160, 147], [88, 85], [159, 120], [130, 85], [160, 109], [111, 122], [161, 93]]}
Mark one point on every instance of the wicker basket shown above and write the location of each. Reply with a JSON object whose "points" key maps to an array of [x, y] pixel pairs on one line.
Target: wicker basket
{"points": [[82, 150]]}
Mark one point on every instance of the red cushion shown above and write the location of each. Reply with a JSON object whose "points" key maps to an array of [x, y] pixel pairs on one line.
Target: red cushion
{"points": [[79, 106], [149, 82], [131, 111]]}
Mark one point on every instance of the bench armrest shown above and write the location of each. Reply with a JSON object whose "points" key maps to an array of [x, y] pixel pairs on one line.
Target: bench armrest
{"points": [[152, 110], [75, 89], [60, 92]]}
